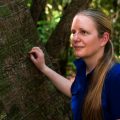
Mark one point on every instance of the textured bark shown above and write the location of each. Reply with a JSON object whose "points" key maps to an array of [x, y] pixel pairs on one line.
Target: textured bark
{"points": [[25, 93], [37, 8], [60, 37]]}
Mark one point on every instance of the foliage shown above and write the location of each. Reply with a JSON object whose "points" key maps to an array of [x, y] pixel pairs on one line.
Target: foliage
{"points": [[53, 12], [28, 3], [45, 27]]}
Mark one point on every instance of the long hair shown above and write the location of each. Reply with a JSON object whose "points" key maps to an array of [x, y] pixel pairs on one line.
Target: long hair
{"points": [[92, 107]]}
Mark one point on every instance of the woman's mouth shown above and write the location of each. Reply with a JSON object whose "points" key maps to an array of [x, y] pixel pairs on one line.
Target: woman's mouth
{"points": [[78, 47]]}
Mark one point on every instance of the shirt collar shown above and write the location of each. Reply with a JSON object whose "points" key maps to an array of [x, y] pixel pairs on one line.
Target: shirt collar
{"points": [[80, 66]]}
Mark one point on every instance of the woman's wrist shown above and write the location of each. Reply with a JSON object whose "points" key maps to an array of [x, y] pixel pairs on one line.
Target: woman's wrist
{"points": [[44, 69]]}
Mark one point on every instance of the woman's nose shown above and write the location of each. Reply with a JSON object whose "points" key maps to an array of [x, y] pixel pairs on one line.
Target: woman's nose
{"points": [[76, 37]]}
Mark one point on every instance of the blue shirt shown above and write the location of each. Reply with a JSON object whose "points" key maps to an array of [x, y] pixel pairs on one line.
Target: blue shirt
{"points": [[110, 93]]}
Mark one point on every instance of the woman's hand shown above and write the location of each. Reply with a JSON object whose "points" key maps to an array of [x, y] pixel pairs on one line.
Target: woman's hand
{"points": [[37, 57]]}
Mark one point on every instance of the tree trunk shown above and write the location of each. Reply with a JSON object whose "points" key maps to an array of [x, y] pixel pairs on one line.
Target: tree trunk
{"points": [[37, 9], [25, 93]]}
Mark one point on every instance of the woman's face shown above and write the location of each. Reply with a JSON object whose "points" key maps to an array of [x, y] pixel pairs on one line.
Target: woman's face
{"points": [[85, 40]]}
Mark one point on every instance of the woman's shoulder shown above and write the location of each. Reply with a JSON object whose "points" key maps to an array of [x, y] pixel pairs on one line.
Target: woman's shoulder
{"points": [[79, 62], [80, 66], [113, 88], [113, 76], [115, 70]]}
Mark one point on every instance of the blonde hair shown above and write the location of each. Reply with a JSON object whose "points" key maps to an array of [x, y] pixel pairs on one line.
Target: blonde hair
{"points": [[92, 107]]}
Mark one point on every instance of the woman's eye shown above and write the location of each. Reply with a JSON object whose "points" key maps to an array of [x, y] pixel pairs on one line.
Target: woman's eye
{"points": [[73, 32], [84, 32]]}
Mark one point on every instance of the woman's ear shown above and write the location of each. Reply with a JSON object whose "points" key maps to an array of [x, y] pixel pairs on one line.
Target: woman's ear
{"points": [[104, 39]]}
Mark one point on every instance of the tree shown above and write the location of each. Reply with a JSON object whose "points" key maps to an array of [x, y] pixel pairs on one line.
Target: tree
{"points": [[25, 93]]}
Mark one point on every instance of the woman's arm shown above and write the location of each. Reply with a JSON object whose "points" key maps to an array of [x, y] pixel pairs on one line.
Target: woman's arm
{"points": [[63, 84]]}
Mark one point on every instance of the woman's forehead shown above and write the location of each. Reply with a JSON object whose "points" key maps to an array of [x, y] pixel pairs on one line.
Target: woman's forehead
{"points": [[83, 21]]}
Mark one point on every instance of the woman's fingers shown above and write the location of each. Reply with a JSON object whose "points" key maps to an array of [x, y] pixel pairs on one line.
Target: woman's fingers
{"points": [[35, 51], [32, 58], [37, 56]]}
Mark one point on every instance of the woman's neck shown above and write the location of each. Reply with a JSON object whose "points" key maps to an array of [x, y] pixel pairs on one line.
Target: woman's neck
{"points": [[90, 65]]}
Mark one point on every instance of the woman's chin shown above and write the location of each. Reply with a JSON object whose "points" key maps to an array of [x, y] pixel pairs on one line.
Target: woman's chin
{"points": [[78, 55]]}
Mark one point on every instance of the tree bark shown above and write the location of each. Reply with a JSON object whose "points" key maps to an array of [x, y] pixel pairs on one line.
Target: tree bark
{"points": [[37, 8], [25, 93]]}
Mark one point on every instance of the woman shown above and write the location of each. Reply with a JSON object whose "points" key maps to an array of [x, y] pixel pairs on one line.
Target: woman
{"points": [[95, 90]]}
